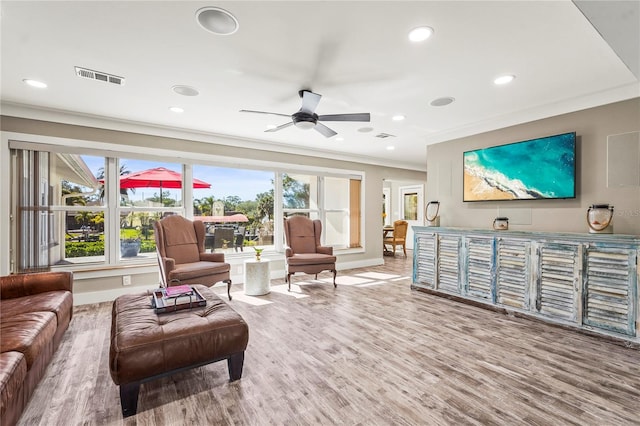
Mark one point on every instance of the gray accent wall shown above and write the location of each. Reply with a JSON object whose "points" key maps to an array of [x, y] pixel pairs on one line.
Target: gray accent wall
{"points": [[593, 128]]}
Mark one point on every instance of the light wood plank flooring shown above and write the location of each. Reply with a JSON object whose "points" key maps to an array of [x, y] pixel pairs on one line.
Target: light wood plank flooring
{"points": [[371, 352]]}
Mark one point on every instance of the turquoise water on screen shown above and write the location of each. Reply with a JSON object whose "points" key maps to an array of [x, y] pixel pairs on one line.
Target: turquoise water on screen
{"points": [[539, 168]]}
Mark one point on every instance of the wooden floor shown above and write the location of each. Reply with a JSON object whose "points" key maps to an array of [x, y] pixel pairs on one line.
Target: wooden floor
{"points": [[371, 352]]}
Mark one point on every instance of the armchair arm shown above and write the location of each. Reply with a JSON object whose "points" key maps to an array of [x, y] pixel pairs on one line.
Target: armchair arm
{"points": [[27, 284], [324, 250], [288, 252], [212, 257], [169, 264]]}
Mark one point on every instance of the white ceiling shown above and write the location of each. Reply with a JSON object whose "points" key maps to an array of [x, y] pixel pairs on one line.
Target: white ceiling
{"points": [[356, 54]]}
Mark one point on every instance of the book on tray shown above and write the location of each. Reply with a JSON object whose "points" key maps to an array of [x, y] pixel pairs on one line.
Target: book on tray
{"points": [[176, 298]]}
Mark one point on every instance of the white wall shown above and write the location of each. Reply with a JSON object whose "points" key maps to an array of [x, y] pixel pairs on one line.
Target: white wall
{"points": [[592, 126]]}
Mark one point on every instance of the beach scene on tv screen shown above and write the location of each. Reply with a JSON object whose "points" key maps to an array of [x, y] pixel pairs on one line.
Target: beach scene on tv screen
{"points": [[536, 169]]}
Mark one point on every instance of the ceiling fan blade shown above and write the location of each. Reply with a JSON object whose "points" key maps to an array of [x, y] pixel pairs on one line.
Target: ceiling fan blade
{"points": [[280, 127], [365, 116], [324, 130], [309, 101], [265, 112]]}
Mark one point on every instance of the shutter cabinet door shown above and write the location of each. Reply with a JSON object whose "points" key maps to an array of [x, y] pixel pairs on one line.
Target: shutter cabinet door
{"points": [[479, 267], [425, 261], [448, 263], [609, 280], [512, 279], [558, 280]]}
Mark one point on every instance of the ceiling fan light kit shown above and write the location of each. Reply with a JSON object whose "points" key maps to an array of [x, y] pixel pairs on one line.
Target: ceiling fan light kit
{"points": [[306, 118]]}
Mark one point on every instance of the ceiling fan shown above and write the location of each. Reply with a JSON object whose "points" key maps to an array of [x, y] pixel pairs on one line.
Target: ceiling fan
{"points": [[306, 118]]}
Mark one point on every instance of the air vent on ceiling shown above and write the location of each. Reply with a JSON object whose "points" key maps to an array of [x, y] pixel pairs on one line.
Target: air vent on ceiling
{"points": [[385, 135], [100, 76]]}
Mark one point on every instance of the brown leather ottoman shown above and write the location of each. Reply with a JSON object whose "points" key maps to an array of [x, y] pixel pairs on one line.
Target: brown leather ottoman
{"points": [[146, 345]]}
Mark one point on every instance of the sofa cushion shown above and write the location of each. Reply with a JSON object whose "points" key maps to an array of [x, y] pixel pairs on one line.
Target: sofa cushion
{"points": [[29, 333], [13, 371], [58, 302]]}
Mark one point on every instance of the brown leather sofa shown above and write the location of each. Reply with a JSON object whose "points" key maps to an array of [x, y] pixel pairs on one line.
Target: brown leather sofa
{"points": [[35, 311]]}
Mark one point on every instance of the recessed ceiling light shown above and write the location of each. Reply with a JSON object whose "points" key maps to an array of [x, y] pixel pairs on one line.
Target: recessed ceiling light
{"points": [[504, 79], [420, 34], [176, 109], [35, 83], [442, 101], [391, 148], [217, 21], [185, 90], [365, 129], [339, 139], [398, 117]]}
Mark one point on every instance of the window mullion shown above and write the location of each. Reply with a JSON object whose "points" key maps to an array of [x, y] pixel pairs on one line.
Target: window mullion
{"points": [[187, 190], [278, 214], [112, 226]]}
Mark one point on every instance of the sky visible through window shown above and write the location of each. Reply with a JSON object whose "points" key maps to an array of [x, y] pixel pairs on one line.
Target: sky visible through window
{"points": [[225, 182]]}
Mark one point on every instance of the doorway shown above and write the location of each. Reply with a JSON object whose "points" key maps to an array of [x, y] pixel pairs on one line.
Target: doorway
{"points": [[411, 201]]}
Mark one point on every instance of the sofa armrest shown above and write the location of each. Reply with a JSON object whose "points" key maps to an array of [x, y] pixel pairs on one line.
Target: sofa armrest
{"points": [[324, 250], [288, 252], [212, 257], [20, 285]]}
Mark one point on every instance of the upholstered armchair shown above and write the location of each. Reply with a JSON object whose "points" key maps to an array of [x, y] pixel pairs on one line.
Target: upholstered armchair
{"points": [[304, 252], [181, 255], [399, 237]]}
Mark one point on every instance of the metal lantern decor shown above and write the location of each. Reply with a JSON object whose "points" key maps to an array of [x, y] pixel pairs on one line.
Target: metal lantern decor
{"points": [[599, 218], [501, 223], [431, 213]]}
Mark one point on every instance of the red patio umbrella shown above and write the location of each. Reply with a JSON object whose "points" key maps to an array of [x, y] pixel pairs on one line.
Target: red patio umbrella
{"points": [[158, 177]]}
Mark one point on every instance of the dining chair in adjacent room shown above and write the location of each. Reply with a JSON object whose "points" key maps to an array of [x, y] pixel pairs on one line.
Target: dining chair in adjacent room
{"points": [[399, 236]]}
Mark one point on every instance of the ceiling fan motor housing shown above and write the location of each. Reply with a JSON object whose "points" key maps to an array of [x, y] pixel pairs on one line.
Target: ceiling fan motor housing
{"points": [[304, 120]]}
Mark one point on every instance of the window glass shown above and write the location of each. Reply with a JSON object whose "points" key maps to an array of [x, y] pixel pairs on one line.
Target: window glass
{"points": [[240, 200], [336, 204], [151, 183], [78, 223], [137, 239], [299, 192], [64, 215]]}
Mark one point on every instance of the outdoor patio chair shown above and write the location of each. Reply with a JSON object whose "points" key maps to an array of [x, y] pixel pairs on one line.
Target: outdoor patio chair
{"points": [[181, 254], [239, 238], [223, 238], [304, 252]]}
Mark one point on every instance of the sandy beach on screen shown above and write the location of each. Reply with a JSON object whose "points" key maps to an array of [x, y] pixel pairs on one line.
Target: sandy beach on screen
{"points": [[477, 189]]}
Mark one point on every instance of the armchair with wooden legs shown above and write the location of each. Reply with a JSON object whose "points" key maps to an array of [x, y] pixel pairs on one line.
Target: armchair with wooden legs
{"points": [[181, 254], [304, 252]]}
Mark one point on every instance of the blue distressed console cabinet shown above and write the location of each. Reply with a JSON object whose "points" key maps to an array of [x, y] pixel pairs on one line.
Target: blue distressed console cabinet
{"points": [[588, 281]]}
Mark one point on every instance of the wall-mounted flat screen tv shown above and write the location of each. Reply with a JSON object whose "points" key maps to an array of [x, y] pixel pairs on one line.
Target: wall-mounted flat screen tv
{"points": [[536, 169]]}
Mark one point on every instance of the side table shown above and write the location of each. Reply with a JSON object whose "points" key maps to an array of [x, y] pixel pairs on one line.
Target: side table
{"points": [[257, 277]]}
